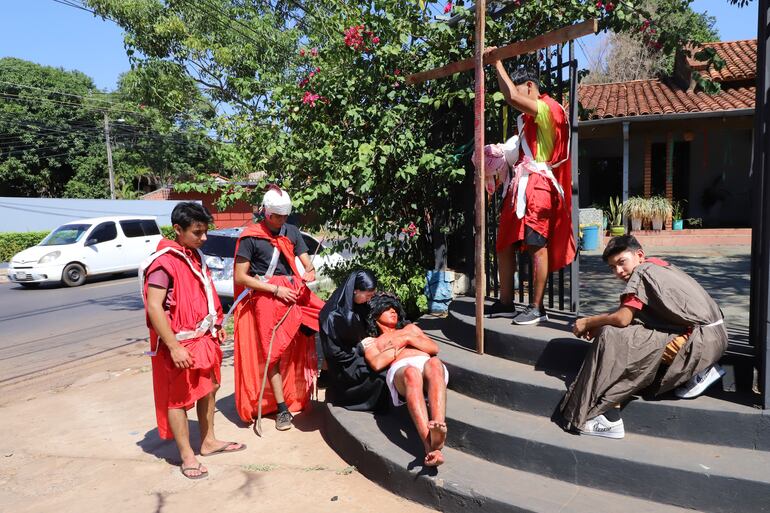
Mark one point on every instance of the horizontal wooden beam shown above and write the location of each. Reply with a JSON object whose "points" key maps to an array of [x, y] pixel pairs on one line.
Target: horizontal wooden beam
{"points": [[554, 37]]}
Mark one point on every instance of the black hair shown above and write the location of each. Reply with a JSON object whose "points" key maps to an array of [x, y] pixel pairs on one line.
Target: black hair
{"points": [[365, 280], [189, 212], [524, 74], [378, 304], [620, 244]]}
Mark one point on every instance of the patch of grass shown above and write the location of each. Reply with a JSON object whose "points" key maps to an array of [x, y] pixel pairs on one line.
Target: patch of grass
{"points": [[346, 471], [315, 467], [259, 468]]}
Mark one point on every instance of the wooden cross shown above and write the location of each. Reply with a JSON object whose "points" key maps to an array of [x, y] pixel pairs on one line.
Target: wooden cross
{"points": [[554, 37]]}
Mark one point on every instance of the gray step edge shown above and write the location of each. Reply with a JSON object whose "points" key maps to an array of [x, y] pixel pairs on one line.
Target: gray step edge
{"points": [[465, 483], [706, 477]]}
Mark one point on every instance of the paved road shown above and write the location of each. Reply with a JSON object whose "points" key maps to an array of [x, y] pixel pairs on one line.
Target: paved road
{"points": [[51, 329]]}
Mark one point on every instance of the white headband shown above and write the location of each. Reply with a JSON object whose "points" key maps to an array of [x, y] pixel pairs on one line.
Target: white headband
{"points": [[276, 202]]}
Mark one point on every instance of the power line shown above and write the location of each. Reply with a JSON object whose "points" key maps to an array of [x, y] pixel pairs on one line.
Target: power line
{"points": [[26, 86]]}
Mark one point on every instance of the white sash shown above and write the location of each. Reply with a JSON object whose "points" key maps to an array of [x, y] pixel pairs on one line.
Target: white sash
{"points": [[208, 323], [543, 167]]}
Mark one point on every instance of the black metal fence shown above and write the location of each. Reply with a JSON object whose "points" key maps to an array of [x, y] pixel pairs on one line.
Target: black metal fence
{"points": [[562, 290]]}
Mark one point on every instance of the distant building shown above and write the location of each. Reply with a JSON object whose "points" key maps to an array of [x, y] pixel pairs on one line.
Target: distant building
{"points": [[664, 136]]}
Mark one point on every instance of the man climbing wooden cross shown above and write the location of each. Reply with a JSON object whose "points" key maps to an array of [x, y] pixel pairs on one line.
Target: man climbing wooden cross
{"points": [[537, 205]]}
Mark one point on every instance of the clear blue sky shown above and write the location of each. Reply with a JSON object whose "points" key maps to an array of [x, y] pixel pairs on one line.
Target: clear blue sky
{"points": [[50, 33]]}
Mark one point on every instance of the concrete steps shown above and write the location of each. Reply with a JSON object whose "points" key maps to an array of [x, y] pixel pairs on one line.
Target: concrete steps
{"points": [[504, 454], [385, 449], [520, 387], [704, 477]]}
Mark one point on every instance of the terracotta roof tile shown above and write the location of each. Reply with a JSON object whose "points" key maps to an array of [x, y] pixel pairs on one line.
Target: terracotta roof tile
{"points": [[665, 96], [740, 60]]}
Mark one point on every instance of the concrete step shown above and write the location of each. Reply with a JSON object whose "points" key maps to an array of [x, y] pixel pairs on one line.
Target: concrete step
{"points": [[385, 449], [708, 478], [723, 419], [549, 345]]}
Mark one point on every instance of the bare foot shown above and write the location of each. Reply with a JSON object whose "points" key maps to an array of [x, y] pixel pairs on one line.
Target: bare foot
{"points": [[434, 458], [437, 433], [210, 447]]}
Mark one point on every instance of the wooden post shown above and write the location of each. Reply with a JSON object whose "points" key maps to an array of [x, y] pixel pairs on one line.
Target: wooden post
{"points": [[478, 129]]}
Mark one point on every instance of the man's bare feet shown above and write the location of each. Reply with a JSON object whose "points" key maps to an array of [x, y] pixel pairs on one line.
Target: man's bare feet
{"points": [[434, 458], [437, 434]]}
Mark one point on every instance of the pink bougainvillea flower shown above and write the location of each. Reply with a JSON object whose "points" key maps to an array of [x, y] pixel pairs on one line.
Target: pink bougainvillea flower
{"points": [[410, 230], [310, 98], [375, 40], [301, 52], [610, 7], [448, 7], [317, 69], [314, 52], [599, 4], [397, 72], [303, 82]]}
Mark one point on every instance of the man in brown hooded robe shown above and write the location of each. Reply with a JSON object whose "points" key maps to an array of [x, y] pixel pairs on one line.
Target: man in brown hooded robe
{"points": [[667, 333]]}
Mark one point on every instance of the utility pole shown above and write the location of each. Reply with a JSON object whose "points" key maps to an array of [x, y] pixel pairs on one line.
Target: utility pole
{"points": [[109, 154]]}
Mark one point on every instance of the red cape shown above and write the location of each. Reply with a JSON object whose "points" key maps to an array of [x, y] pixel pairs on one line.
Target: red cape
{"points": [[255, 317], [181, 388], [561, 245]]}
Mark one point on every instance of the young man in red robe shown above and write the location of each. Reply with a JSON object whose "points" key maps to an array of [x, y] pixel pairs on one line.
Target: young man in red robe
{"points": [[277, 301], [537, 210], [184, 316]]}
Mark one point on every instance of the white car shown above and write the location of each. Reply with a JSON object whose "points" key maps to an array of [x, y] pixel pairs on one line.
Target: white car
{"points": [[85, 248], [219, 250]]}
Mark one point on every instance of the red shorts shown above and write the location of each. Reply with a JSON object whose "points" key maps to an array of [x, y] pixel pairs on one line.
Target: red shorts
{"points": [[542, 202]]}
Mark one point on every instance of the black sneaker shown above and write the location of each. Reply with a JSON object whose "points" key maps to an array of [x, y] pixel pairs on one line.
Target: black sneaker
{"points": [[498, 309], [283, 421], [531, 315]]}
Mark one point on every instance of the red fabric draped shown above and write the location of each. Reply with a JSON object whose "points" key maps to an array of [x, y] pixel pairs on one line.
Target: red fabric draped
{"points": [[255, 317], [181, 388], [561, 239]]}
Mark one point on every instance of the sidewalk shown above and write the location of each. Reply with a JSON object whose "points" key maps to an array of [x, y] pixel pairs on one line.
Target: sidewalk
{"points": [[94, 447]]}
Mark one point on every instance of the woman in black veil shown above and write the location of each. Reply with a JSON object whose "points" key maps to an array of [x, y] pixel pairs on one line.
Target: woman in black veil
{"points": [[342, 326]]}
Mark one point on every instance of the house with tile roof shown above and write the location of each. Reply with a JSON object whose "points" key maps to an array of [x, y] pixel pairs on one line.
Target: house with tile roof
{"points": [[665, 136]]}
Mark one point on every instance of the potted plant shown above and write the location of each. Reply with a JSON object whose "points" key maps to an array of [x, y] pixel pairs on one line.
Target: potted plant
{"points": [[637, 209], [660, 210], [615, 217], [677, 215]]}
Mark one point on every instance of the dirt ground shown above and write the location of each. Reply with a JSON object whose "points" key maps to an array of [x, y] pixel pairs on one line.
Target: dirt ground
{"points": [[87, 441]]}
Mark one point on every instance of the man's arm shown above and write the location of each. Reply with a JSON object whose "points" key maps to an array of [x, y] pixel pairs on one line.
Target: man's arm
{"points": [[586, 327], [417, 339], [380, 355], [155, 298], [519, 102], [242, 278], [307, 263]]}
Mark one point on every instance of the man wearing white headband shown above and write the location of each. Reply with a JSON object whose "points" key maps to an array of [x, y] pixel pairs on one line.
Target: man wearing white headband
{"points": [[271, 259]]}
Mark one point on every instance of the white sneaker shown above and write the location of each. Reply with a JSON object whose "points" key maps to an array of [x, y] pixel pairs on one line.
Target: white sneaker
{"points": [[600, 426], [700, 382]]}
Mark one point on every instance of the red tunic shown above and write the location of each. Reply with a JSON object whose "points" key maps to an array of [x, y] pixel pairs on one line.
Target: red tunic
{"points": [[255, 317], [546, 213], [181, 388]]}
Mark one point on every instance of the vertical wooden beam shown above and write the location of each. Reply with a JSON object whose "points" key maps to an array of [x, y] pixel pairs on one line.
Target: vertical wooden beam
{"points": [[478, 132]]}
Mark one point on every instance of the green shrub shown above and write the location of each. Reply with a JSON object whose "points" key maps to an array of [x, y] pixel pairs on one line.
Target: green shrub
{"points": [[394, 275], [168, 232], [14, 242]]}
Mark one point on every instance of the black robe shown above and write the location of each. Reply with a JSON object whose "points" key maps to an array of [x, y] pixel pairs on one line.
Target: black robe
{"points": [[342, 326]]}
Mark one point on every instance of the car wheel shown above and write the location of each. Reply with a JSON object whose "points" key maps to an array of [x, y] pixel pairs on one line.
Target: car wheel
{"points": [[74, 275], [30, 285]]}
